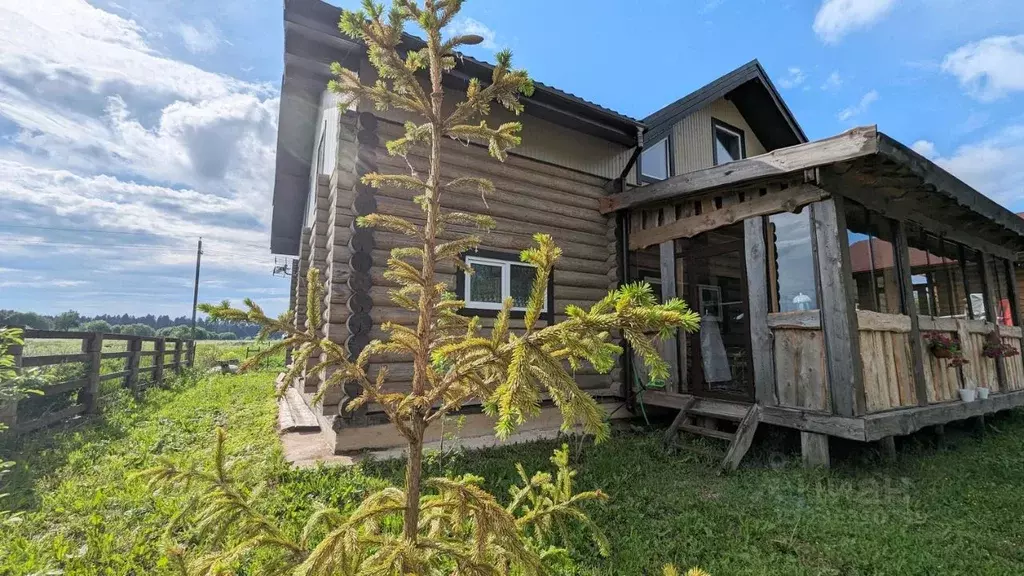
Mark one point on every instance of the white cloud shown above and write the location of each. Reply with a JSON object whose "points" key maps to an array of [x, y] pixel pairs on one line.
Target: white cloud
{"points": [[989, 69], [465, 25], [865, 102], [924, 148], [836, 18], [793, 78], [200, 39], [994, 166], [833, 82]]}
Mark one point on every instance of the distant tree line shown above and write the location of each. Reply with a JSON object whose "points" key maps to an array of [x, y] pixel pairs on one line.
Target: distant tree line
{"points": [[148, 325]]}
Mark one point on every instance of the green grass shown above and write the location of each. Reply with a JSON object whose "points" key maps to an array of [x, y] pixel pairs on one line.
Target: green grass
{"points": [[956, 511]]}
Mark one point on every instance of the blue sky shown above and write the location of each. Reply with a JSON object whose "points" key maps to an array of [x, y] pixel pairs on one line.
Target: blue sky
{"points": [[130, 128]]}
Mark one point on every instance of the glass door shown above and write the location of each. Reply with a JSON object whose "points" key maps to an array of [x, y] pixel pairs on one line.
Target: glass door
{"points": [[716, 287]]}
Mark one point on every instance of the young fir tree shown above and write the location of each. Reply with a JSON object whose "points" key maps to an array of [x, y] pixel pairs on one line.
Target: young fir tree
{"points": [[448, 526]]}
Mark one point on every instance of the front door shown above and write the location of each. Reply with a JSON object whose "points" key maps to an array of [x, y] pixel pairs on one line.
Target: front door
{"points": [[716, 287]]}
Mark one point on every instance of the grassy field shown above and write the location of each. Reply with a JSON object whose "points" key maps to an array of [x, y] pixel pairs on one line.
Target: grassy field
{"points": [[952, 511]]}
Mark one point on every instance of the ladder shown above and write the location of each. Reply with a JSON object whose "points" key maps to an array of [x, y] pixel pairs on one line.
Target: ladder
{"points": [[702, 415]]}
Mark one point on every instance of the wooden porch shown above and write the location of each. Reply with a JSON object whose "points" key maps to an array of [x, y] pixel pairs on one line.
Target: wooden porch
{"points": [[853, 253]]}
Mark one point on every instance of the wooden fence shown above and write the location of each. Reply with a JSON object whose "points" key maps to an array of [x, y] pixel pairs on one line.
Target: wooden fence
{"points": [[168, 355]]}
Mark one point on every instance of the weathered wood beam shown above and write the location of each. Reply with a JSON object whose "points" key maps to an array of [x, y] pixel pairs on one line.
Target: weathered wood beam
{"points": [[743, 438], [798, 320], [849, 145], [814, 450], [809, 421], [910, 420], [906, 284], [789, 200], [988, 293], [838, 312], [757, 304]]}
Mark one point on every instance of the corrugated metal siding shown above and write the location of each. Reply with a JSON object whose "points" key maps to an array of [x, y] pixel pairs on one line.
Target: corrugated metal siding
{"points": [[692, 142]]}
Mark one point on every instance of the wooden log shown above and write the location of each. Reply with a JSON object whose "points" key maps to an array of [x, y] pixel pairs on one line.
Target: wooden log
{"points": [[838, 311], [669, 349], [910, 420], [54, 359], [797, 320], [882, 322], [743, 439], [158, 361], [814, 450], [131, 380], [903, 265], [757, 298], [855, 143], [789, 200], [89, 396]]}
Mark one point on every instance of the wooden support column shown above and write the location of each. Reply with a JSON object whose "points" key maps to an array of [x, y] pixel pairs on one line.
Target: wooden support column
{"points": [[916, 345], [838, 312], [1011, 278], [131, 380], [89, 396], [992, 315], [9, 410], [669, 290], [177, 355], [757, 295], [887, 446], [814, 450], [158, 361]]}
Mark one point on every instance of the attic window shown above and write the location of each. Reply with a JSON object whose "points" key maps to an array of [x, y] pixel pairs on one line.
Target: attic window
{"points": [[654, 161], [729, 145]]}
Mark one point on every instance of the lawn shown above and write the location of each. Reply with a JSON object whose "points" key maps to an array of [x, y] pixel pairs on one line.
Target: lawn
{"points": [[952, 511]]}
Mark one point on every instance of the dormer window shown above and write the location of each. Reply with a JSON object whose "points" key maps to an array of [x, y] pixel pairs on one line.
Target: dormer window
{"points": [[729, 144], [654, 161]]}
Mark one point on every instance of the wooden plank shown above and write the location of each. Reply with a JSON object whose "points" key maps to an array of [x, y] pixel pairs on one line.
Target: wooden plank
{"points": [[757, 303], [704, 431], [855, 143], [929, 324], [54, 359], [798, 320], [110, 355], [48, 420], [1011, 332], [113, 375], [743, 439], [881, 322], [910, 420], [838, 311], [902, 255], [54, 334], [788, 200], [989, 294], [65, 387], [666, 399], [811, 421], [667, 263], [814, 450], [673, 429], [888, 354]]}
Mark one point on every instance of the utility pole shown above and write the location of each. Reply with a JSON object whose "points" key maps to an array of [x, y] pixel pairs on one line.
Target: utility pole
{"points": [[195, 292]]}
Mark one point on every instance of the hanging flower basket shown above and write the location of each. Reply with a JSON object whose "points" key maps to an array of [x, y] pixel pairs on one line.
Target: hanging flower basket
{"points": [[944, 345], [942, 352], [996, 348]]}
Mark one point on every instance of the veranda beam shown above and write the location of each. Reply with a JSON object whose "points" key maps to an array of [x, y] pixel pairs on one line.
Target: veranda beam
{"points": [[849, 145]]}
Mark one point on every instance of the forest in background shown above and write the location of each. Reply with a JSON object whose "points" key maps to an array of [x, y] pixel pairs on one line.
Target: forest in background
{"points": [[148, 325]]}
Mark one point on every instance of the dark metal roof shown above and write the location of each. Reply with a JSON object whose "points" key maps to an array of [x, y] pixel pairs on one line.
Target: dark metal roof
{"points": [[313, 42], [753, 93]]}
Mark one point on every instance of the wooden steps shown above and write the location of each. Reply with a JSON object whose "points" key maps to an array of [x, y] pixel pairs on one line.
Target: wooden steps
{"points": [[702, 416]]}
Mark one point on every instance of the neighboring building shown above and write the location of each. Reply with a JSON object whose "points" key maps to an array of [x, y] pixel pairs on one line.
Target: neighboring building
{"points": [[742, 249]]}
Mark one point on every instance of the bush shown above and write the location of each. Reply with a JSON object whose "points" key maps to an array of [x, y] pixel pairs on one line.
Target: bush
{"points": [[227, 336], [136, 330], [97, 326]]}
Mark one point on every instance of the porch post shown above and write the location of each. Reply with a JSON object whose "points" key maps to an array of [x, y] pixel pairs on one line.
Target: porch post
{"points": [[906, 284], [757, 298], [838, 312], [992, 312]]}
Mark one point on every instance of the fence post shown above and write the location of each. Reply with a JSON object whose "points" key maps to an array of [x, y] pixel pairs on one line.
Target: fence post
{"points": [[89, 396], [131, 381], [9, 411], [177, 356], [158, 361], [191, 353]]}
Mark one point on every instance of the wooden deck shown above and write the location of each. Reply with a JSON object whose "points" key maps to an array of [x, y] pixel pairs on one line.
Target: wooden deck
{"points": [[868, 428]]}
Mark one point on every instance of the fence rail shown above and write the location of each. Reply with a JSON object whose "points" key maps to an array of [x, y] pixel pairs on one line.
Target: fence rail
{"points": [[169, 355]]}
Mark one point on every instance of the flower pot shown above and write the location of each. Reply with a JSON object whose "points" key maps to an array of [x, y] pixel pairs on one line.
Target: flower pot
{"points": [[942, 352], [967, 394], [982, 393]]}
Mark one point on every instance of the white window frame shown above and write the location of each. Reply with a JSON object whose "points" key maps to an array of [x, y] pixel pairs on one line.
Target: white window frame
{"points": [[647, 178], [718, 127], [506, 283]]}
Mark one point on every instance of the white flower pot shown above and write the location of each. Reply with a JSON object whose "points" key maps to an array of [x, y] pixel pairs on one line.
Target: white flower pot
{"points": [[967, 394], [982, 393]]}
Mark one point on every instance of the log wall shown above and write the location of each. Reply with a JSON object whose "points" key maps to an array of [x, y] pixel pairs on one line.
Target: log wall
{"points": [[530, 197]]}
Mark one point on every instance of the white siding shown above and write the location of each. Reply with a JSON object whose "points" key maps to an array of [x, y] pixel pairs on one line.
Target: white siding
{"points": [[692, 138]]}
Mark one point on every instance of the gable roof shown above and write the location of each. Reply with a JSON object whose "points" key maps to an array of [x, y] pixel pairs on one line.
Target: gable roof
{"points": [[750, 89]]}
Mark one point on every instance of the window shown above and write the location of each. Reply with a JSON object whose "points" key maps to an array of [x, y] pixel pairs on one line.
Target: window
{"points": [[873, 259], [497, 276], [654, 161], [320, 150], [791, 262], [729, 143]]}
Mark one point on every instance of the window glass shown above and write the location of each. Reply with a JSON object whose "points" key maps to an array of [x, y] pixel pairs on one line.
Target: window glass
{"points": [[522, 277], [976, 307], [791, 262], [728, 145], [485, 283], [873, 260], [654, 160], [1003, 293]]}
